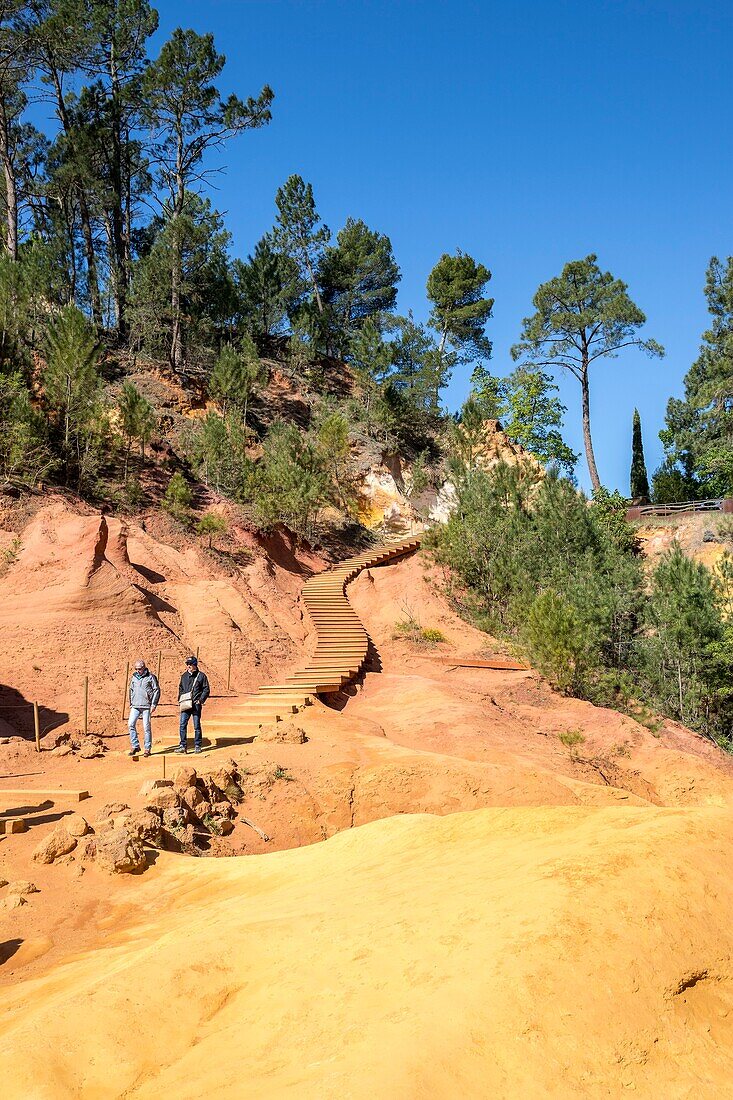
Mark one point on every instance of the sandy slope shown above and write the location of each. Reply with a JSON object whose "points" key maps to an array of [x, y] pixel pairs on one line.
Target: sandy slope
{"points": [[503, 953]]}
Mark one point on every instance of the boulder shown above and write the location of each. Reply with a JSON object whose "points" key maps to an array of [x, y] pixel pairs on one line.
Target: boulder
{"points": [[222, 826], [120, 853], [14, 901], [56, 844], [192, 797], [88, 848], [22, 887], [63, 750], [184, 777], [76, 825], [163, 799]]}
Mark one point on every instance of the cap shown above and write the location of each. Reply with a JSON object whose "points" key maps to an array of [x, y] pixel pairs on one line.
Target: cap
{"points": [[192, 660]]}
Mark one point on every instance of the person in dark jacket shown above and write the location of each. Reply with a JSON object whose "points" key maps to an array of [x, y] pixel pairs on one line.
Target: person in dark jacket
{"points": [[144, 698], [195, 685]]}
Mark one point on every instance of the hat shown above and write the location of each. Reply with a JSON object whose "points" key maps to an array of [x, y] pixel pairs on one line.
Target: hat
{"points": [[192, 660]]}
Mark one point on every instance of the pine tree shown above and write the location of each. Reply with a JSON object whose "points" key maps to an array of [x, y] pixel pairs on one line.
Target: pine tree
{"points": [[189, 117], [237, 375], [456, 287], [267, 289], [698, 436], [359, 277], [582, 315], [639, 479], [299, 232]]}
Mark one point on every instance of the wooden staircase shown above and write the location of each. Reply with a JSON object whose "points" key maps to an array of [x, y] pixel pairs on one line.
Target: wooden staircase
{"points": [[341, 650]]}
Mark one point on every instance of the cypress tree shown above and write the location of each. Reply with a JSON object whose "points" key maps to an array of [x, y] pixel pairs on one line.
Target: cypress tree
{"points": [[639, 479]]}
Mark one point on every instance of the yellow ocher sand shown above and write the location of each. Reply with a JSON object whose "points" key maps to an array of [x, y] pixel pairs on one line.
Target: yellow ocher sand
{"points": [[553, 952]]}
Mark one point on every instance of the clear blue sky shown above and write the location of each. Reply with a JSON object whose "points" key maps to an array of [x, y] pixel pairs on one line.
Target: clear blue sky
{"points": [[527, 134]]}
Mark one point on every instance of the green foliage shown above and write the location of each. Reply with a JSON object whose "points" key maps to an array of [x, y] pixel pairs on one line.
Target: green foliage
{"points": [[359, 277], [137, 417], [532, 415], [237, 376], [299, 232], [24, 451], [216, 447], [582, 315], [554, 636], [456, 287], [572, 738], [211, 524], [686, 653], [699, 428], [639, 478], [266, 289], [178, 497], [292, 483], [192, 249], [72, 390], [421, 369]]}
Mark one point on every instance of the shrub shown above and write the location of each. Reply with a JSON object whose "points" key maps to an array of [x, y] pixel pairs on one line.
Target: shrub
{"points": [[178, 497]]}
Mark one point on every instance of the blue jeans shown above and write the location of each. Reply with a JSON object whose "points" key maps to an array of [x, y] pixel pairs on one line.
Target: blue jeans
{"points": [[144, 713], [183, 726]]}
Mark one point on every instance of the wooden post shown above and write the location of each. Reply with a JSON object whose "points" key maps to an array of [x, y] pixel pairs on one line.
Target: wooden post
{"points": [[164, 765], [197, 653], [37, 727], [229, 668], [124, 690], [86, 705], [160, 656]]}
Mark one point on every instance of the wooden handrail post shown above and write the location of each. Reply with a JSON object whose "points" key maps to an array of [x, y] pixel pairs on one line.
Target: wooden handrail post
{"points": [[160, 657], [229, 668], [86, 705], [124, 690], [37, 727]]}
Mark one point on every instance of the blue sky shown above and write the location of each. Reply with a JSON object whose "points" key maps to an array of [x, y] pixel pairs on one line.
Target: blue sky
{"points": [[527, 134]]}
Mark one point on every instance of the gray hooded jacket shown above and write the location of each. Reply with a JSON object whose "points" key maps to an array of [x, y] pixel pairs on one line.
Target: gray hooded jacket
{"points": [[144, 690]]}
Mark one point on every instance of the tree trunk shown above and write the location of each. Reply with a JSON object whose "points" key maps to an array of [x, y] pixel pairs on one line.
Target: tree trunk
{"points": [[592, 469], [119, 265], [84, 218], [11, 192], [177, 266], [314, 284]]}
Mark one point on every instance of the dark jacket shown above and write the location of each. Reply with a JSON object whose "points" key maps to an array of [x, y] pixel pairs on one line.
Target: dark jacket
{"points": [[201, 689], [144, 690]]}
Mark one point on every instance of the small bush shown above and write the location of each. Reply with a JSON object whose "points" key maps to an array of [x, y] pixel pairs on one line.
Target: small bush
{"points": [[282, 773], [432, 636], [178, 497], [571, 738]]}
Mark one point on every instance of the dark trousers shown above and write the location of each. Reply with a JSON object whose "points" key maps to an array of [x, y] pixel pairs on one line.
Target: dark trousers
{"points": [[183, 727]]}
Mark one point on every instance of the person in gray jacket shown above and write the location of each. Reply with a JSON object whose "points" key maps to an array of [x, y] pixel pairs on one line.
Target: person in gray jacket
{"points": [[144, 698]]}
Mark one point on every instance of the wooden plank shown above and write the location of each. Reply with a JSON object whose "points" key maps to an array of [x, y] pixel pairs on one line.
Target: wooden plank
{"points": [[13, 825], [57, 795], [500, 664]]}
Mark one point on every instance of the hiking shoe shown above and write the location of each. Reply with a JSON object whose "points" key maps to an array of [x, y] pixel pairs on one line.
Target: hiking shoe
{"points": [[147, 752], [134, 752], [180, 750], [198, 749]]}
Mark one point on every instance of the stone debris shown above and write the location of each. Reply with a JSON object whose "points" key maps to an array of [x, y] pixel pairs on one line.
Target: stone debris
{"points": [[285, 733], [14, 901], [56, 844], [119, 852], [76, 825], [86, 747], [22, 887]]}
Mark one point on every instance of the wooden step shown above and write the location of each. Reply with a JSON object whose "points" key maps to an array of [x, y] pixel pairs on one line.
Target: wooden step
{"points": [[13, 825], [57, 794]]}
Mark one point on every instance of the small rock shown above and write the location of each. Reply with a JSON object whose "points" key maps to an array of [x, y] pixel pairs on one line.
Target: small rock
{"points": [[223, 826], [13, 902], [3, 882], [192, 797], [61, 739], [89, 848], [22, 887], [151, 785], [164, 799], [76, 825], [283, 732], [120, 853], [222, 809], [145, 825], [56, 844], [174, 818], [185, 777], [4, 740], [89, 751], [63, 750], [113, 808]]}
